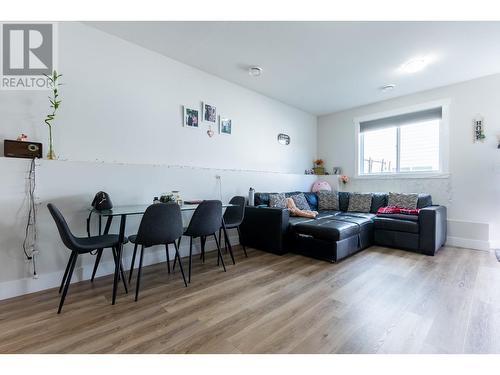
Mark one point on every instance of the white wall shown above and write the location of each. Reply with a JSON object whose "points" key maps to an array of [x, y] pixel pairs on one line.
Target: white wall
{"points": [[472, 190], [119, 130]]}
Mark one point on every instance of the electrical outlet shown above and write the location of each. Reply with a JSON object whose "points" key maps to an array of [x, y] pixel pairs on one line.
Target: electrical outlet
{"points": [[217, 177]]}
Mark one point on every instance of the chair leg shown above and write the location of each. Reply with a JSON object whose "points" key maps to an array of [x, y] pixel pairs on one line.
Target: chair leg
{"points": [[190, 257], [244, 248], [180, 264], [66, 271], [220, 253], [137, 284], [68, 281], [116, 275], [168, 257], [175, 258], [132, 264], [121, 276], [96, 264], [203, 241]]}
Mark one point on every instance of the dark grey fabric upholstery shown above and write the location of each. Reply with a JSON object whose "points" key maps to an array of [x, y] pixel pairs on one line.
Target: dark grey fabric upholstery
{"points": [[233, 216], [161, 224], [206, 219]]}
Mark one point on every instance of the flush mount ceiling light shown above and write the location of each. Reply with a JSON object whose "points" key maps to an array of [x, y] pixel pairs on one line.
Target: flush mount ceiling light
{"points": [[255, 71], [388, 87], [414, 65]]}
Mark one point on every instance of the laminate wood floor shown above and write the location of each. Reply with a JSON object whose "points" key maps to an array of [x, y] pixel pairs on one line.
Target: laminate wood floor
{"points": [[378, 301]]}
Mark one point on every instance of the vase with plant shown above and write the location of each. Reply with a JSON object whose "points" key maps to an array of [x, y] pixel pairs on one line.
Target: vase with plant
{"points": [[319, 166], [55, 102], [344, 179]]}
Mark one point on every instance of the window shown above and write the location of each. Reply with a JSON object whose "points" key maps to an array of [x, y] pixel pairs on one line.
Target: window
{"points": [[406, 143]]}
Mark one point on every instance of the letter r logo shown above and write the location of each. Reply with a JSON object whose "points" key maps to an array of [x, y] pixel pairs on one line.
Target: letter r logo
{"points": [[27, 49]]}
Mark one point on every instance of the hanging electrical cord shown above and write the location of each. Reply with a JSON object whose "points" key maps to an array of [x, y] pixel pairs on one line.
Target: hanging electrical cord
{"points": [[30, 235]]}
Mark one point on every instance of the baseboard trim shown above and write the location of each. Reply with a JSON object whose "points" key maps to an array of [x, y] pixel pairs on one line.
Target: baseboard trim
{"points": [[15, 288], [468, 243]]}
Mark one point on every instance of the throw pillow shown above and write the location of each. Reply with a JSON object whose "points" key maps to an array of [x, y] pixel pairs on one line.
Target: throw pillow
{"points": [[408, 201], [277, 200], [328, 200], [359, 202], [301, 202]]}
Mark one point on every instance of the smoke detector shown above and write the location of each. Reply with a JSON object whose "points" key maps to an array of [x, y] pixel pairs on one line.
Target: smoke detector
{"points": [[255, 71]]}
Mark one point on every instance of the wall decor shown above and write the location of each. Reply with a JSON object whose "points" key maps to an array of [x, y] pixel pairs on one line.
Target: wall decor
{"points": [[54, 84], [191, 118], [479, 135], [209, 113], [225, 126], [283, 139], [210, 132]]}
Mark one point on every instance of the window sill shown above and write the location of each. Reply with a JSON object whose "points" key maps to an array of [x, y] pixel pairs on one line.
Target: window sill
{"points": [[398, 176]]}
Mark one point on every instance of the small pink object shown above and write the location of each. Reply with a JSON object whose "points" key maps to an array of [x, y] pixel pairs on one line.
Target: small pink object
{"points": [[321, 185], [23, 137], [344, 179]]}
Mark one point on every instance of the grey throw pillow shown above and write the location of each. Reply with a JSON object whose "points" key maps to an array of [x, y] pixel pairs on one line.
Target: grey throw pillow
{"points": [[359, 202], [277, 200], [408, 201], [328, 200], [301, 201]]}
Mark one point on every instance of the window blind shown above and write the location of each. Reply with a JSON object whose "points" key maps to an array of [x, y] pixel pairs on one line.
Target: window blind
{"points": [[401, 120]]}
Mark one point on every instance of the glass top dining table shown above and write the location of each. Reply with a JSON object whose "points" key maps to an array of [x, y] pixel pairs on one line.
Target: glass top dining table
{"points": [[139, 209], [129, 210]]}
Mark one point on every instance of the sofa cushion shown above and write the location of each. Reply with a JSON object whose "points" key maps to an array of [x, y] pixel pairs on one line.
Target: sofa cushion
{"points": [[378, 200], [261, 199], [397, 225], [327, 229], [408, 201], [277, 200], [343, 200], [312, 199], [360, 202], [424, 200], [328, 200], [301, 202]]}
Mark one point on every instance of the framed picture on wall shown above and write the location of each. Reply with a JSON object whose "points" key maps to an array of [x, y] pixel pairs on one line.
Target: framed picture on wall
{"points": [[191, 118], [209, 113], [225, 126]]}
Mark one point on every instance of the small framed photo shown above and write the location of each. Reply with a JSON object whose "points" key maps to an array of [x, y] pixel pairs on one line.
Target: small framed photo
{"points": [[225, 125], [209, 113], [191, 118], [337, 170]]}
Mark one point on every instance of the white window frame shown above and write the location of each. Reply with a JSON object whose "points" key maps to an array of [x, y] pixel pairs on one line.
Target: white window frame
{"points": [[444, 148]]}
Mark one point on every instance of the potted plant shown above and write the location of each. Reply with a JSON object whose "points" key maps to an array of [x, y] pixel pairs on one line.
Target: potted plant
{"points": [[54, 105], [318, 166]]}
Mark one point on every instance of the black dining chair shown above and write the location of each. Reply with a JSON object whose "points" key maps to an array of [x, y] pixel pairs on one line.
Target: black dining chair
{"points": [[205, 222], [160, 225], [233, 217], [82, 245]]}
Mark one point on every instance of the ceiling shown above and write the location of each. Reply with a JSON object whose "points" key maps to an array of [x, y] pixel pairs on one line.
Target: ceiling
{"points": [[324, 67]]}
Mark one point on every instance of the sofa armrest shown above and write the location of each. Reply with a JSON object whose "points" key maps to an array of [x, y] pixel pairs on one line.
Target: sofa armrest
{"points": [[432, 228], [265, 228]]}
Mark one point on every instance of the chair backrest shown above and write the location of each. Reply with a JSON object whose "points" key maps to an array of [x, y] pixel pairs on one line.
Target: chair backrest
{"points": [[64, 231], [234, 214], [161, 224], [206, 220]]}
